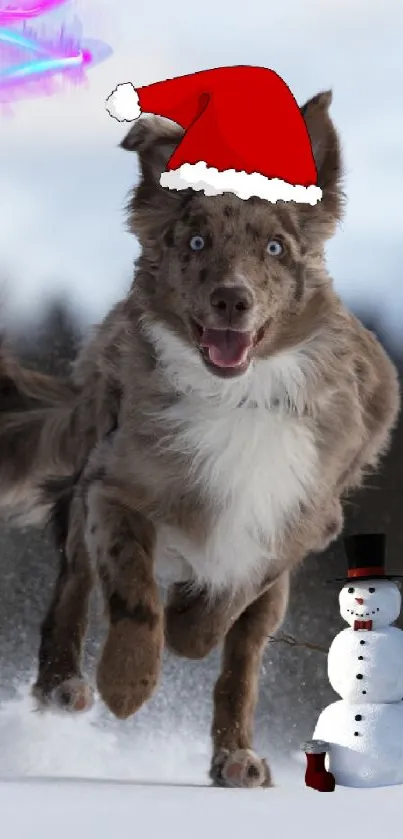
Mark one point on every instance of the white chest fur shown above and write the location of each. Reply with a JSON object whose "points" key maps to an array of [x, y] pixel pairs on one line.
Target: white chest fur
{"points": [[252, 458]]}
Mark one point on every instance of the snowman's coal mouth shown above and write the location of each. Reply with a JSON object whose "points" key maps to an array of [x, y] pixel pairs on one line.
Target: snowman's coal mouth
{"points": [[363, 616]]}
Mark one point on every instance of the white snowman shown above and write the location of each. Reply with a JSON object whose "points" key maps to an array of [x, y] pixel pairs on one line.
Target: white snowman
{"points": [[359, 739]]}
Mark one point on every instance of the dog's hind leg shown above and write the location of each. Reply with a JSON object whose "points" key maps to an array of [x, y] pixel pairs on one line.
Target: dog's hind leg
{"points": [[234, 763], [195, 623], [60, 682]]}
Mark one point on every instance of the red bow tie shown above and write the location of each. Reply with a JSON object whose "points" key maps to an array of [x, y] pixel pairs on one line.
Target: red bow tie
{"points": [[363, 625]]}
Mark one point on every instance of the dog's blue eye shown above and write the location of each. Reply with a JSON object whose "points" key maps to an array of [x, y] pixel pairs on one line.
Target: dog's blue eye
{"points": [[275, 248], [197, 243]]}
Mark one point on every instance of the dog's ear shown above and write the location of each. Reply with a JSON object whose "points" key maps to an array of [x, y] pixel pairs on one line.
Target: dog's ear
{"points": [[150, 205], [154, 139], [326, 151]]}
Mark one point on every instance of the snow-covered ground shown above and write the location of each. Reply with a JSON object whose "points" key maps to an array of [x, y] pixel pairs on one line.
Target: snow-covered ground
{"points": [[103, 810], [63, 776], [90, 746], [67, 777]]}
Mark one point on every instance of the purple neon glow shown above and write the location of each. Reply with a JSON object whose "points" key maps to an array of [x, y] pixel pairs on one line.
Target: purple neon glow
{"points": [[28, 9], [32, 65]]}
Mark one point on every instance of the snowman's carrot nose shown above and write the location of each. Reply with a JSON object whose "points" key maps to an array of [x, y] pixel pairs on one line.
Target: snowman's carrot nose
{"points": [[359, 600]]}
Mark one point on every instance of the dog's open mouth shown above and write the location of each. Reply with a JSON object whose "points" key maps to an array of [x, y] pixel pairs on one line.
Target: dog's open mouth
{"points": [[226, 351]]}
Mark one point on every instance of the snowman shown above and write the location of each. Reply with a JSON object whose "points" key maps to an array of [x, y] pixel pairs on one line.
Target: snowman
{"points": [[358, 741]]}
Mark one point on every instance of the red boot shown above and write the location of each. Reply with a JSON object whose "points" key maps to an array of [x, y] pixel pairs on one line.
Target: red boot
{"points": [[316, 775]]}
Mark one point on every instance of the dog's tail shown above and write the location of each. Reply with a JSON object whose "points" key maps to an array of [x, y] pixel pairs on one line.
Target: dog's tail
{"points": [[40, 438]]}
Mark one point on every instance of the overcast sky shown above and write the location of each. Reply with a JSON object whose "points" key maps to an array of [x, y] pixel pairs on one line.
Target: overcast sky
{"points": [[63, 181]]}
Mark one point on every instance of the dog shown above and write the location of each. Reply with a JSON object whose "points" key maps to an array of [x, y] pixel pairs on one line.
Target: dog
{"points": [[203, 445]]}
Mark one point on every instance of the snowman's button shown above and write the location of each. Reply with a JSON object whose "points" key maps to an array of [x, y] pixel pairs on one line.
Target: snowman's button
{"points": [[356, 733], [364, 691], [359, 676], [360, 658], [362, 643], [358, 717]]}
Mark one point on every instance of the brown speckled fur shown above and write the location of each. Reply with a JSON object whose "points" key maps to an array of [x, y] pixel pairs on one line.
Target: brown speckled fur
{"points": [[117, 473]]}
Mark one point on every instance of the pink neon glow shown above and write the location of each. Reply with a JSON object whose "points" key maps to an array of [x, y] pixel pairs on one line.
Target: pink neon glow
{"points": [[27, 9], [32, 65]]}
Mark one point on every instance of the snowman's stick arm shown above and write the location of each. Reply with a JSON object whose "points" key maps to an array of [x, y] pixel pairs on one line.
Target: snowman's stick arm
{"points": [[289, 639]]}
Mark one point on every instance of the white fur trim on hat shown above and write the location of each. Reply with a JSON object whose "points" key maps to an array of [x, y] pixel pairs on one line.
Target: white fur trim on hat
{"points": [[123, 103], [211, 181]]}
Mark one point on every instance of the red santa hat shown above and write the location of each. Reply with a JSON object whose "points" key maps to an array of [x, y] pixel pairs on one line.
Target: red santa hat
{"points": [[244, 133]]}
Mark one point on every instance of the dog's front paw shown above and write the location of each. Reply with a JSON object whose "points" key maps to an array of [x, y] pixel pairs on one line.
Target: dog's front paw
{"points": [[130, 666], [241, 768]]}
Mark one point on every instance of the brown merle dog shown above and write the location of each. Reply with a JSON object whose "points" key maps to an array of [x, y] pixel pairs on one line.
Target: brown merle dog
{"points": [[205, 441]]}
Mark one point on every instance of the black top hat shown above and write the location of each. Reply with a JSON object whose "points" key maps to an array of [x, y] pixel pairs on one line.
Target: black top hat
{"points": [[366, 558]]}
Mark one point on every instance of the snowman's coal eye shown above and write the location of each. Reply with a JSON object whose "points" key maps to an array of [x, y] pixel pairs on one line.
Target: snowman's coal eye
{"points": [[371, 590], [351, 591]]}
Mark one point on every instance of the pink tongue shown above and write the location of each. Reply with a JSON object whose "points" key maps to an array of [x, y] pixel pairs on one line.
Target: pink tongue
{"points": [[227, 347]]}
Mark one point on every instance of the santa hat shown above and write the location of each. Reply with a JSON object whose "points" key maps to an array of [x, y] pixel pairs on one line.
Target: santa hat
{"points": [[244, 133]]}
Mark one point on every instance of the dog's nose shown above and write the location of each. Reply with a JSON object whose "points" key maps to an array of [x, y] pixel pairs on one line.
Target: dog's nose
{"points": [[231, 301]]}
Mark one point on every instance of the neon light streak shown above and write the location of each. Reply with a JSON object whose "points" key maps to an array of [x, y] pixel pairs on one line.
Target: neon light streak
{"points": [[63, 56]]}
